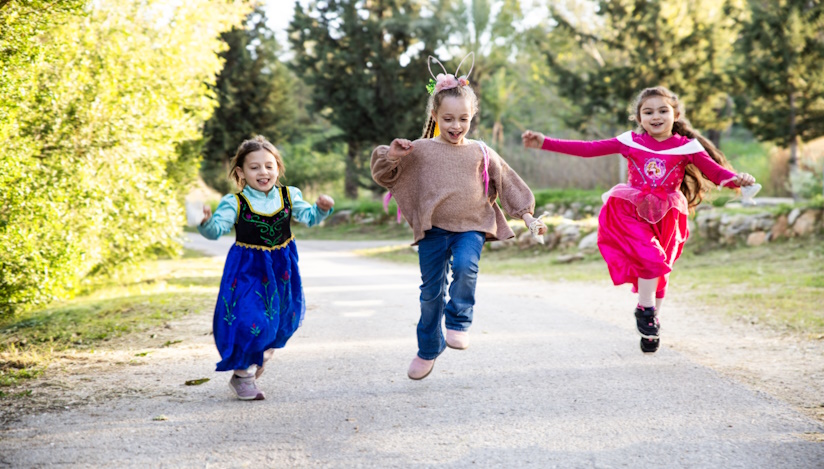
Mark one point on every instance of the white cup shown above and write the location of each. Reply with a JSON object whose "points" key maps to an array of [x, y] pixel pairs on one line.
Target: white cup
{"points": [[194, 212]]}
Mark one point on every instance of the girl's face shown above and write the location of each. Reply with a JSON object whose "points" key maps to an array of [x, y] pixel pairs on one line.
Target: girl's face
{"points": [[453, 117], [259, 170], [657, 118]]}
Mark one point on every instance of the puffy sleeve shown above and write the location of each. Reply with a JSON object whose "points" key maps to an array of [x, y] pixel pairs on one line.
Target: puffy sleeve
{"points": [[303, 211], [714, 171], [584, 148], [222, 220], [385, 169], [516, 197]]}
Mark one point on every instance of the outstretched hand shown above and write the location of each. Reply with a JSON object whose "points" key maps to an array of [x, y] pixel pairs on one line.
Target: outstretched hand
{"points": [[207, 213], [743, 179], [400, 147], [532, 139], [535, 225], [325, 203]]}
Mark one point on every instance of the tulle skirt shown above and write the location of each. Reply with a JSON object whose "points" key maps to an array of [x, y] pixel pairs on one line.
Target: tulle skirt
{"points": [[634, 248], [259, 306]]}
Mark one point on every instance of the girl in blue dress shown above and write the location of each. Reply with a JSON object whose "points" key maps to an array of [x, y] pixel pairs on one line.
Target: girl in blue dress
{"points": [[260, 303]]}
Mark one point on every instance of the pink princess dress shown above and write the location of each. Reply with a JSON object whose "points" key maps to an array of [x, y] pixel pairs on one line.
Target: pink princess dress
{"points": [[642, 226]]}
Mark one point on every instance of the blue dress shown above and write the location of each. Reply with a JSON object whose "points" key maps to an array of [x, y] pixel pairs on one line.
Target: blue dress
{"points": [[261, 302]]}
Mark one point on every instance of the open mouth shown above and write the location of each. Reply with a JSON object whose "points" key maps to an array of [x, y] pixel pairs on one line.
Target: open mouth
{"points": [[263, 182], [454, 135]]}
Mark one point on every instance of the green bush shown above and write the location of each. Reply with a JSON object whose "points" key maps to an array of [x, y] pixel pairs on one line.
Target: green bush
{"points": [[566, 197], [749, 156], [103, 140]]}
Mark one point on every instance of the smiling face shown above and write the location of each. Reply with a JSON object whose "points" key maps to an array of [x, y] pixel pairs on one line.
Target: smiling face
{"points": [[454, 116], [259, 170], [657, 117]]}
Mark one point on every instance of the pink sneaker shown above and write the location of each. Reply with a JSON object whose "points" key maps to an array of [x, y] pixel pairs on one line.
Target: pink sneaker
{"points": [[245, 388], [420, 368], [458, 340]]}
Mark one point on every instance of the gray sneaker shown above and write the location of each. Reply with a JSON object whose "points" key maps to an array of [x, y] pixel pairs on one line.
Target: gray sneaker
{"points": [[245, 388]]}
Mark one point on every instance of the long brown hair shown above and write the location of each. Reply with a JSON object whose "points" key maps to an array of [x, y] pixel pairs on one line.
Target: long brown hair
{"points": [[695, 184], [249, 146], [435, 103]]}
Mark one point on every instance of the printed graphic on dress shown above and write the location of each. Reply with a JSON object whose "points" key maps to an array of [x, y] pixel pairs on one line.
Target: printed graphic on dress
{"points": [[655, 168]]}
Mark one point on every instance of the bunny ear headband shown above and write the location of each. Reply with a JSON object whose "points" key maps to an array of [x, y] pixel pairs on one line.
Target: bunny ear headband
{"points": [[445, 81]]}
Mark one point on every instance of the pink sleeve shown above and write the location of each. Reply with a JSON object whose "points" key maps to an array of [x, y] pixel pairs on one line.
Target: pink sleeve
{"points": [[714, 171], [583, 148]]}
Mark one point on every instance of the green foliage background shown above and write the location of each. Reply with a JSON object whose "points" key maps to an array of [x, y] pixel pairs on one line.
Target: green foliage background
{"points": [[98, 134]]}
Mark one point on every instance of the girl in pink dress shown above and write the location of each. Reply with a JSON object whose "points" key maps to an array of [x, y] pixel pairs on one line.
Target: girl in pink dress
{"points": [[642, 226]]}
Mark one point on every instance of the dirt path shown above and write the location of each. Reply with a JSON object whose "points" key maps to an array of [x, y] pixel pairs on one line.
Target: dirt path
{"points": [[554, 377]]}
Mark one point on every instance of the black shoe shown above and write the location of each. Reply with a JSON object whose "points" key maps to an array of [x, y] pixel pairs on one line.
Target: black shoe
{"points": [[649, 345], [647, 322]]}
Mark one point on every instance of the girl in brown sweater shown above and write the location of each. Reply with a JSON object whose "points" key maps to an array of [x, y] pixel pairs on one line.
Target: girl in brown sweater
{"points": [[446, 187]]}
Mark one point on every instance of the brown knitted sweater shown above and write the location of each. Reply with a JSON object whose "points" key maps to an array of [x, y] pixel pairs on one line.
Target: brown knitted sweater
{"points": [[441, 184]]}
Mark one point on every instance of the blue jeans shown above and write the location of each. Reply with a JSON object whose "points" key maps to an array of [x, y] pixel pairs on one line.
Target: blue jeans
{"points": [[437, 252]]}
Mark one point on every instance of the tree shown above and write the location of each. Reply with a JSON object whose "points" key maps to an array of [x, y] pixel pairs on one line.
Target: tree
{"points": [[366, 64], [20, 23], [495, 39], [781, 67], [633, 44], [254, 94], [93, 165]]}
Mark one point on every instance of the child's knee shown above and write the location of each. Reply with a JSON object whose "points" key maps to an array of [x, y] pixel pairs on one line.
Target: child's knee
{"points": [[465, 268]]}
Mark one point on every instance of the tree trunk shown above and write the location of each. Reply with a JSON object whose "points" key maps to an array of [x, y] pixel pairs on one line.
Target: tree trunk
{"points": [[350, 183], [714, 136], [793, 162]]}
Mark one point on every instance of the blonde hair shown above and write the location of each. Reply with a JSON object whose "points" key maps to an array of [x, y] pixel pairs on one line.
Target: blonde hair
{"points": [[694, 185], [249, 146], [435, 103]]}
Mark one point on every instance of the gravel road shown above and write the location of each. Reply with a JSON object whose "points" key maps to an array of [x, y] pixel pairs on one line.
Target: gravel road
{"points": [[548, 381]]}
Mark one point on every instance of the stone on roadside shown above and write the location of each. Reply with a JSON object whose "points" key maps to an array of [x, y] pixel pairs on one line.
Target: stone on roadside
{"points": [[569, 258], [794, 214], [339, 217], [526, 240], [805, 224], [498, 245], [589, 242], [757, 238], [780, 228]]}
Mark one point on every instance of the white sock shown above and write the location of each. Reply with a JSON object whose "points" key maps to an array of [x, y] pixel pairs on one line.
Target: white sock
{"points": [[646, 291]]}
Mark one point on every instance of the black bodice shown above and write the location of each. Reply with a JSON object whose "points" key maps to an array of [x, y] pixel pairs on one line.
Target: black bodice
{"points": [[266, 231]]}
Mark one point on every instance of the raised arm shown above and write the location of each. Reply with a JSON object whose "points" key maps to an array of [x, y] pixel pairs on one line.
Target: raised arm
{"points": [[714, 171], [303, 211], [580, 148], [222, 221], [386, 159]]}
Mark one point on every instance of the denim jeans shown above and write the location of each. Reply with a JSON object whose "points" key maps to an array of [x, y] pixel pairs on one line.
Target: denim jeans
{"points": [[437, 252]]}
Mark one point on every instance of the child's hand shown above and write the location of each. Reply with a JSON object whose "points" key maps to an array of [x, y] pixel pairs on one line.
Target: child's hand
{"points": [[325, 203], [743, 179], [533, 139], [400, 147], [207, 213], [535, 225]]}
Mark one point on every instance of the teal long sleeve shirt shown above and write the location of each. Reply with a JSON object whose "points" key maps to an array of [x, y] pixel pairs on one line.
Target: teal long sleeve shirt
{"points": [[225, 215]]}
